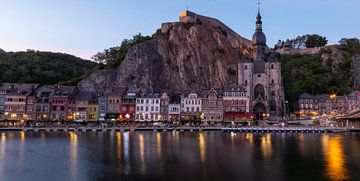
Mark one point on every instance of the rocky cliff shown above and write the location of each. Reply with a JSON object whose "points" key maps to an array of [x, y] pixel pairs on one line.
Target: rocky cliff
{"points": [[183, 56]]}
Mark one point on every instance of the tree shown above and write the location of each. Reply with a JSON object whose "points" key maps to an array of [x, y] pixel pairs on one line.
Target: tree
{"points": [[113, 56], [313, 41], [304, 41], [350, 44]]}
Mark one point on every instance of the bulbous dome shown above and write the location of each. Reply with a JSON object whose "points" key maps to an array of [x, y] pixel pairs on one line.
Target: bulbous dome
{"points": [[259, 39]]}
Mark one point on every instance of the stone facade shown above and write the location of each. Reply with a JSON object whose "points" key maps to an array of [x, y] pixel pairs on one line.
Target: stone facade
{"points": [[211, 106], [261, 77], [164, 107]]}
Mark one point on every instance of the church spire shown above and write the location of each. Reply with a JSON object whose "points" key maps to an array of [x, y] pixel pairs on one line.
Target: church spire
{"points": [[259, 38], [258, 19]]}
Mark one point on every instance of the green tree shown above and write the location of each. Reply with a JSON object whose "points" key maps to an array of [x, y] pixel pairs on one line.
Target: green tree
{"points": [[113, 56]]}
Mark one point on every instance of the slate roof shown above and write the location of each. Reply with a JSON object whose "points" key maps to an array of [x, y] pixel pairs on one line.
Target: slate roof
{"points": [[306, 96]]}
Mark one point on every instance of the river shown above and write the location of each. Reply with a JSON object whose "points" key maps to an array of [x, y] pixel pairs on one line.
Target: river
{"points": [[178, 156]]}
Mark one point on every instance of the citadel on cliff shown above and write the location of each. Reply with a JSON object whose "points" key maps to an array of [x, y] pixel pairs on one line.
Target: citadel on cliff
{"points": [[259, 74]]}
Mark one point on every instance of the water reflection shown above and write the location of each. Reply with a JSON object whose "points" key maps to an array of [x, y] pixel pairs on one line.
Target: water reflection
{"points": [[250, 137], [119, 145], [22, 142], [127, 168], [202, 148], [73, 153], [142, 154], [336, 169], [178, 156], [158, 145], [266, 147], [2, 152], [159, 152]]}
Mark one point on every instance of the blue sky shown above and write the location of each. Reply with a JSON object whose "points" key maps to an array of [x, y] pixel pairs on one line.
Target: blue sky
{"points": [[84, 27]]}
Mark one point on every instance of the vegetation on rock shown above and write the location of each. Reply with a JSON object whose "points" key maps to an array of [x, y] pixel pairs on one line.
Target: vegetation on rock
{"points": [[113, 56], [305, 41], [322, 73]]}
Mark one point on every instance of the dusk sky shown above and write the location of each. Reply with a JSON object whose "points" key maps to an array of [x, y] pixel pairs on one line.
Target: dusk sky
{"points": [[85, 27]]}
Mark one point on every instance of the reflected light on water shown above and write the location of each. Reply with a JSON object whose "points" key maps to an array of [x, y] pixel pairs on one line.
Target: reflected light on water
{"points": [[119, 145], [333, 150], [142, 154], [73, 153], [266, 147], [22, 142], [249, 137], [202, 148], [126, 153], [2, 152], [158, 144]]}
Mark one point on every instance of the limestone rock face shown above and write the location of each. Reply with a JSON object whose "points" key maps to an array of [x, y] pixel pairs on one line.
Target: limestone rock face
{"points": [[356, 70], [184, 57]]}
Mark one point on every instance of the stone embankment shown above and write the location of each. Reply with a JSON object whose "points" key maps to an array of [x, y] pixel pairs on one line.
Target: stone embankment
{"points": [[190, 129]]}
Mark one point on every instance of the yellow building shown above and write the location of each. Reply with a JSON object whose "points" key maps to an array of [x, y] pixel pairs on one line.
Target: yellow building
{"points": [[92, 112]]}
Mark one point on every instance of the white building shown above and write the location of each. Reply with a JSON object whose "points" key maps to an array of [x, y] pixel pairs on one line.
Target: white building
{"points": [[148, 107], [190, 107]]}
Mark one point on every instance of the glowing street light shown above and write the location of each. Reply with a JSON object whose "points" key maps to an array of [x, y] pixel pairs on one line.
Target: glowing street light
{"points": [[127, 116]]}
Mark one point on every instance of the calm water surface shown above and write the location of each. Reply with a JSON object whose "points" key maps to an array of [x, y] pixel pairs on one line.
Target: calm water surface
{"points": [[178, 156]]}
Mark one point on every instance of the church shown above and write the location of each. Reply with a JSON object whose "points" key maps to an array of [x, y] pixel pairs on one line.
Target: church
{"points": [[260, 75]]}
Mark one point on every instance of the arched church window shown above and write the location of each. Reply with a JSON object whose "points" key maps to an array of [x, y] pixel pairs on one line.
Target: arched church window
{"points": [[246, 82], [272, 105], [259, 91], [246, 67], [272, 81], [272, 66]]}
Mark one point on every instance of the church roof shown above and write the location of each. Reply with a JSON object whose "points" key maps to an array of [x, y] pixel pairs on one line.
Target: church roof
{"points": [[306, 96], [259, 38]]}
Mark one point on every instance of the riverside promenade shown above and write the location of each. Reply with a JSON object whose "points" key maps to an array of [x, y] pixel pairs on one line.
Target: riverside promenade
{"points": [[186, 129]]}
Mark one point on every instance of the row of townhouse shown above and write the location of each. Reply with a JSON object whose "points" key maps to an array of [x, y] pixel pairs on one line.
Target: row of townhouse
{"points": [[66, 103], [214, 105], [326, 104]]}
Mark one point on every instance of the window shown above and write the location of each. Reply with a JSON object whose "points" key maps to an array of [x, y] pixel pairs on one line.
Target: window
{"points": [[62, 108], [246, 67], [272, 81], [272, 105], [259, 91], [272, 66]]}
